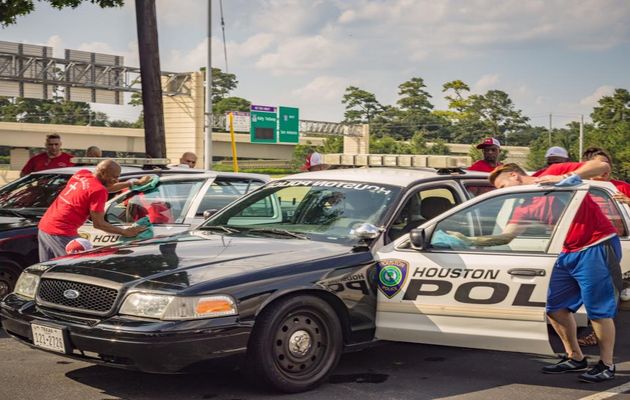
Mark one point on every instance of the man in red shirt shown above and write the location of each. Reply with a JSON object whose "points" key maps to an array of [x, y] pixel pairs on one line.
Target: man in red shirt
{"points": [[53, 157], [597, 153], [84, 196], [554, 155], [491, 149], [586, 271]]}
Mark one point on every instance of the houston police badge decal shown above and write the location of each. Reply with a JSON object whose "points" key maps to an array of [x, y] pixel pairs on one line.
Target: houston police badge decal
{"points": [[392, 275]]}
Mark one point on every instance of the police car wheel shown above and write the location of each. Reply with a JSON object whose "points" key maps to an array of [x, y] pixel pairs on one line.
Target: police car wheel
{"points": [[296, 343], [9, 273]]}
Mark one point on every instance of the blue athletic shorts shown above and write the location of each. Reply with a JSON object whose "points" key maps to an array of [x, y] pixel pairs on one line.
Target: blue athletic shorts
{"points": [[590, 277]]}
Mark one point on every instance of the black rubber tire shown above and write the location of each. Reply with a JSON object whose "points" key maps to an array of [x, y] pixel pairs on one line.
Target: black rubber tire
{"points": [[9, 274], [269, 354]]}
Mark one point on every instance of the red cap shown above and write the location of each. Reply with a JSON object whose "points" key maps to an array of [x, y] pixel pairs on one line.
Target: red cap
{"points": [[489, 142], [78, 245]]}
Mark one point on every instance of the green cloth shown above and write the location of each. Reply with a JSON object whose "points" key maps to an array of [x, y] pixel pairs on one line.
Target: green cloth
{"points": [[145, 234], [147, 186]]}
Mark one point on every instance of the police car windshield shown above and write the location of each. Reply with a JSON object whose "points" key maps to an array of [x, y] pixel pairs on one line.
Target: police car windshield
{"points": [[318, 210], [33, 191]]}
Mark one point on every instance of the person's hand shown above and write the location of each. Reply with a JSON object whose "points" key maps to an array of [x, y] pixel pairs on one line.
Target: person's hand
{"points": [[143, 180], [132, 231], [622, 198]]}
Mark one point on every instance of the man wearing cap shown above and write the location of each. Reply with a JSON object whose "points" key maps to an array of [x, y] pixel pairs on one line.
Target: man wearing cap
{"points": [[491, 148], [554, 155]]}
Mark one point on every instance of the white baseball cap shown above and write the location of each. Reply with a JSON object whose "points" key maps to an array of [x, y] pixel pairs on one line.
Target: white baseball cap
{"points": [[557, 151]]}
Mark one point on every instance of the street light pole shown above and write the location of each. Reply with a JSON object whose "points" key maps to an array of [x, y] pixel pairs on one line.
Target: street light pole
{"points": [[208, 132], [581, 136]]}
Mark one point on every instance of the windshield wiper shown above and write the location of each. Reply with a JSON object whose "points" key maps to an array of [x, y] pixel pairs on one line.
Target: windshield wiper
{"points": [[218, 228], [282, 232]]}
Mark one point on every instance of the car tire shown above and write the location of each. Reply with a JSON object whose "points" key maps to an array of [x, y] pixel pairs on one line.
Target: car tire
{"points": [[9, 274], [296, 344]]}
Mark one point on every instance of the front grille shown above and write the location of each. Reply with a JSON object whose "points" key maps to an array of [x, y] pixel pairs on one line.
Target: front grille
{"points": [[91, 298]]}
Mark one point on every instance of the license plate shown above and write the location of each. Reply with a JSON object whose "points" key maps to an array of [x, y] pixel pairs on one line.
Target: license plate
{"points": [[48, 338]]}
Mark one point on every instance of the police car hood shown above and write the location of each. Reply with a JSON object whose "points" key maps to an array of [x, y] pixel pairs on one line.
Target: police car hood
{"points": [[181, 261]]}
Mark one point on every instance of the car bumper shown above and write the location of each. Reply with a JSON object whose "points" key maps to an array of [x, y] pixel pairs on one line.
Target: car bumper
{"points": [[132, 343]]}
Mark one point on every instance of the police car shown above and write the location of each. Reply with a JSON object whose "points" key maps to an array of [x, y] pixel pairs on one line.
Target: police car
{"points": [[175, 204], [289, 276], [24, 201]]}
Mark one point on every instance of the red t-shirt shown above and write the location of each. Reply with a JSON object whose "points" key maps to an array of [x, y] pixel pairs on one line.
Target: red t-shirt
{"points": [[41, 162], [589, 226], [540, 172], [483, 166], [83, 193], [623, 187]]}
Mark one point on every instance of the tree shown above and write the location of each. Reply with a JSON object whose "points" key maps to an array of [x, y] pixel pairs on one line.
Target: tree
{"points": [[612, 109], [361, 105], [332, 145], [10, 10], [413, 97], [230, 104], [492, 114], [222, 84], [457, 103]]}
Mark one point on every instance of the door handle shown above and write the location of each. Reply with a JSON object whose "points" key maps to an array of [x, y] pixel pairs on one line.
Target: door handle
{"points": [[527, 272]]}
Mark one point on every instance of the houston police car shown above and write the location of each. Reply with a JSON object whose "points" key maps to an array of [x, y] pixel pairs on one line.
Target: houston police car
{"points": [[287, 277]]}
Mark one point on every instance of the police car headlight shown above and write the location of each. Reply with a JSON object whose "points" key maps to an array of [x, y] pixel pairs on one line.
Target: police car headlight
{"points": [[171, 308], [26, 285]]}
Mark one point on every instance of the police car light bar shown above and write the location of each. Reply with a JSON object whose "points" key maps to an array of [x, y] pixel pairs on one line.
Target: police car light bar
{"points": [[122, 161]]}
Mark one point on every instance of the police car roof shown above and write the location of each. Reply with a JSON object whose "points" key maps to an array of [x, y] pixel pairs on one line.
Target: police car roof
{"points": [[390, 176], [131, 170]]}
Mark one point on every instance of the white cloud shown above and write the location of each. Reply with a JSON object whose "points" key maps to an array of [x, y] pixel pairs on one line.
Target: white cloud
{"points": [[591, 100], [485, 83], [322, 88], [56, 42]]}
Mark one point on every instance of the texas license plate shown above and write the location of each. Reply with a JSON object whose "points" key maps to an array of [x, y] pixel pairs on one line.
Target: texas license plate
{"points": [[48, 338]]}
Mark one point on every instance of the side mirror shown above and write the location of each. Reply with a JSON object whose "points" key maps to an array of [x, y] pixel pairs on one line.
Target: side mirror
{"points": [[208, 213], [417, 237], [366, 231]]}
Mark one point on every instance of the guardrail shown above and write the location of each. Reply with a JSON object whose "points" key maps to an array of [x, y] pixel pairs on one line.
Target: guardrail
{"points": [[397, 160]]}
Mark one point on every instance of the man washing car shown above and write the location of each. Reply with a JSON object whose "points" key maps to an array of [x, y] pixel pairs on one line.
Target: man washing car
{"points": [[84, 196]]}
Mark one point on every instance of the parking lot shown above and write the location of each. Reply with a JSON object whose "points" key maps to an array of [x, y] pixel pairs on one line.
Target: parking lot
{"points": [[385, 371]]}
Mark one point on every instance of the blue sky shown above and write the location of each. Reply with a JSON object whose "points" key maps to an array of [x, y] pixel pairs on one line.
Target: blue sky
{"points": [[553, 56]]}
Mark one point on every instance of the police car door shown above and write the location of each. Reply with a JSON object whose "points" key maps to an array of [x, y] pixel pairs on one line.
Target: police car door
{"points": [[452, 293]]}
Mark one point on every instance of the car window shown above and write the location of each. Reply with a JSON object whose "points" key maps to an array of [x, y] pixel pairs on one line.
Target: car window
{"points": [[322, 210], [610, 209], [224, 191], [165, 204], [537, 213], [33, 191], [420, 207], [476, 188]]}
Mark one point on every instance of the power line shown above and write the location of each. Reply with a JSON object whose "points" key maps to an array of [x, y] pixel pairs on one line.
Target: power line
{"points": [[223, 30]]}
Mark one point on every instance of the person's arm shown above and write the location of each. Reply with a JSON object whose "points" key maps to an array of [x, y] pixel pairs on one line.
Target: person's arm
{"points": [[511, 231], [118, 186], [98, 219], [28, 168], [622, 198], [590, 169]]}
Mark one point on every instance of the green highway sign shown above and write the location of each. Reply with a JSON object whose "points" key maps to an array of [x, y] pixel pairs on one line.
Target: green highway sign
{"points": [[264, 121], [289, 125]]}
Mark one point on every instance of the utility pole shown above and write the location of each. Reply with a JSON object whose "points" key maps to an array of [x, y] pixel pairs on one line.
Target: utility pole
{"points": [[581, 136], [150, 77], [207, 156], [549, 140]]}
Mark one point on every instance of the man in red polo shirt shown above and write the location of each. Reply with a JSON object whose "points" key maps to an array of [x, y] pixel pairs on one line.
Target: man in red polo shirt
{"points": [[597, 153], [491, 149], [84, 196], [53, 157], [586, 272]]}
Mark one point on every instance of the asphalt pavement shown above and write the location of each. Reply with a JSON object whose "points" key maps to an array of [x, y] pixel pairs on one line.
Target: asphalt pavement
{"points": [[386, 371]]}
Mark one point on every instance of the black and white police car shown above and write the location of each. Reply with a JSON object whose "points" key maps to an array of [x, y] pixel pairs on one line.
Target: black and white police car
{"points": [[288, 277]]}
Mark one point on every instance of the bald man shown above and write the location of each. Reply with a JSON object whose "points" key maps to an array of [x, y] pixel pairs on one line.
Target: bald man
{"points": [[84, 196], [93, 151], [188, 159]]}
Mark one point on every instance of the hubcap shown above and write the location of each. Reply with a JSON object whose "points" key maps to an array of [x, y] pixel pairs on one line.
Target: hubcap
{"points": [[4, 289], [300, 343]]}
